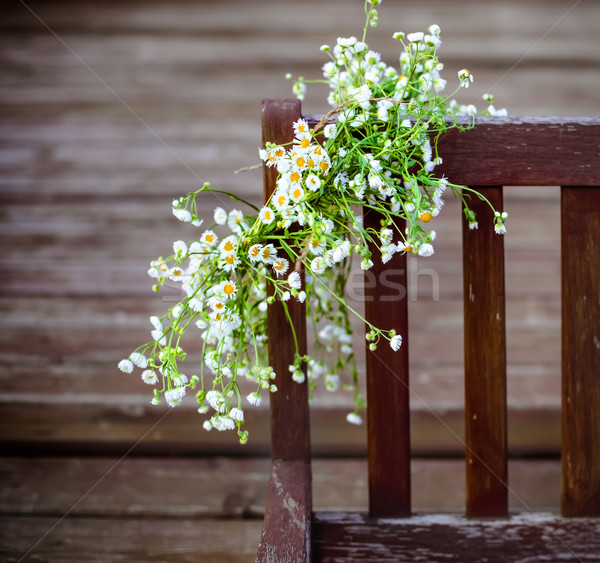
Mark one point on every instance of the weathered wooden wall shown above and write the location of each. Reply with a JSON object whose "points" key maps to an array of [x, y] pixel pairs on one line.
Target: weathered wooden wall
{"points": [[110, 110]]}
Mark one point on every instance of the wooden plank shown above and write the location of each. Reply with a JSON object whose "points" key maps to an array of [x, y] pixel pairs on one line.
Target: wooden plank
{"points": [[286, 534], [354, 537], [387, 382], [111, 424], [580, 225], [522, 151], [98, 540], [236, 487], [509, 28], [485, 361], [290, 434]]}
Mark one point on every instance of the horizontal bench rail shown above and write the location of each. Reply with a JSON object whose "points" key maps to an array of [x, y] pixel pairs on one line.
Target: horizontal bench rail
{"points": [[496, 152]]}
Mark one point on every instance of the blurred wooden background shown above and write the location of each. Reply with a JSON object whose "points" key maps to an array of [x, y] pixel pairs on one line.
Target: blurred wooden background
{"points": [[110, 110]]}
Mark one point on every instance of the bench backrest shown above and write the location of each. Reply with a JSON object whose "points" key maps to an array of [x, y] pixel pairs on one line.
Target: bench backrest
{"points": [[498, 151]]}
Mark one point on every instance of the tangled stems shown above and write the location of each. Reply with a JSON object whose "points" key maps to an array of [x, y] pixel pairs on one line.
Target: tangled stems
{"points": [[375, 150]]}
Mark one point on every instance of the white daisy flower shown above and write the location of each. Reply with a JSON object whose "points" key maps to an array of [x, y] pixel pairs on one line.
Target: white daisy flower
{"points": [[354, 418], [312, 182], [176, 273], [229, 262], [330, 130], [301, 129], [223, 423], [220, 216], [280, 265], [126, 366], [235, 221], [318, 265], [209, 237], [183, 215], [416, 37], [396, 342], [268, 254], [294, 280], [175, 396], [149, 376], [296, 194], [387, 252], [280, 200], [266, 215], [465, 77], [254, 252], [316, 247], [254, 399], [426, 249], [225, 290], [139, 360]]}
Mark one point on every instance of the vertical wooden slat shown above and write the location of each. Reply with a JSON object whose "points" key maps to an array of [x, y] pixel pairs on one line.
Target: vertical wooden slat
{"points": [[580, 244], [287, 528], [290, 437], [485, 361], [387, 385]]}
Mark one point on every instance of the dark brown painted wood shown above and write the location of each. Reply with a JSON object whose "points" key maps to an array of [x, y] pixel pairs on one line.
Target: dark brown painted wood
{"points": [[353, 537], [523, 151], [485, 361], [286, 535], [388, 427], [290, 436], [286, 532], [580, 227]]}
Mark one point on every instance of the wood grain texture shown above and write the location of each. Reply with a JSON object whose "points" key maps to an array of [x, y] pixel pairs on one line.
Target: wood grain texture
{"points": [[98, 540], [287, 528], [388, 428], [485, 361], [227, 487], [211, 498], [440, 538], [580, 222]]}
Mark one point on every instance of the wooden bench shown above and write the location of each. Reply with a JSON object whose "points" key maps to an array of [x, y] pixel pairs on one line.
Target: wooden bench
{"points": [[498, 151]]}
